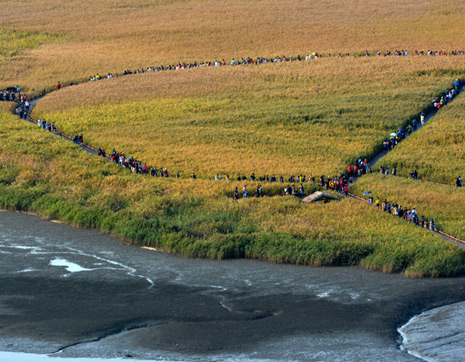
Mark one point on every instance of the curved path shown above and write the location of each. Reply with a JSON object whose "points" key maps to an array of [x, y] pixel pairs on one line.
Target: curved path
{"points": [[85, 147], [372, 162]]}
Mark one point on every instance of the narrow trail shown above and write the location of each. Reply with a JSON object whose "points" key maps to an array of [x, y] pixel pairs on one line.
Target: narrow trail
{"points": [[376, 161], [85, 147], [460, 243], [373, 162]]}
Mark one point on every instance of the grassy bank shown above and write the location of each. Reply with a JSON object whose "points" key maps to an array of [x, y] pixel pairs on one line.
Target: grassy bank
{"points": [[43, 174]]}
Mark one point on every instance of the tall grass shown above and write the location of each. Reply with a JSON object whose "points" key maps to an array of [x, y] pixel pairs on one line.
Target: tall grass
{"points": [[436, 151], [300, 118], [200, 219], [445, 204], [14, 43], [313, 118], [109, 36]]}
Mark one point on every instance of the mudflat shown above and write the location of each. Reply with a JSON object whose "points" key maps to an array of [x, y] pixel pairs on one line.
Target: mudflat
{"points": [[64, 288]]}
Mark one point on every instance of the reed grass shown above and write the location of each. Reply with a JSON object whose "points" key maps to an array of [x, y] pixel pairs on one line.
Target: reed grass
{"points": [[436, 151], [309, 117], [110, 36], [300, 118], [200, 219], [14, 43], [444, 204]]}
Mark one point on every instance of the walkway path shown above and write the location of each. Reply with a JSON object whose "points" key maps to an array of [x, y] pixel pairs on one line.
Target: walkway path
{"points": [[373, 162], [61, 135]]}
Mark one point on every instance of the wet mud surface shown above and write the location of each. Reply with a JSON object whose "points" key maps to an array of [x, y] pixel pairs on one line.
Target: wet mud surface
{"points": [[81, 293]]}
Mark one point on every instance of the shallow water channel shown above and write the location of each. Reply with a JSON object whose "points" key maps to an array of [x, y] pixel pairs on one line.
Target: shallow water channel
{"points": [[68, 292]]}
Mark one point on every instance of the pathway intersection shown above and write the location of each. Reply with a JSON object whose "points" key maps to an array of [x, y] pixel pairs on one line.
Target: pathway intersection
{"points": [[372, 162]]}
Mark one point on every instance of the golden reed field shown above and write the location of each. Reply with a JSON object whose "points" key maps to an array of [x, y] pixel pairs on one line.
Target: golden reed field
{"points": [[85, 37], [314, 117]]}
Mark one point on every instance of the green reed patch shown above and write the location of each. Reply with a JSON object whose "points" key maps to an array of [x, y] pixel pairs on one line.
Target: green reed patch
{"points": [[13, 42]]}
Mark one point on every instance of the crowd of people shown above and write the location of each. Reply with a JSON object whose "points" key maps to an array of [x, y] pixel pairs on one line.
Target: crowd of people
{"points": [[385, 171], [405, 53], [396, 137], [288, 190], [215, 63], [407, 214], [7, 96], [134, 165], [267, 60], [23, 108], [339, 183], [42, 123], [414, 175], [449, 95], [245, 192], [267, 178], [78, 139]]}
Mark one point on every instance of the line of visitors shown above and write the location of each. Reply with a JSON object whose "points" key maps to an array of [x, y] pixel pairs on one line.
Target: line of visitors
{"points": [[407, 214], [360, 168], [7, 96], [449, 95], [245, 192], [385, 171], [136, 166], [396, 137], [260, 60], [339, 183], [405, 53], [216, 63], [267, 178], [78, 139], [414, 175], [42, 123], [23, 108], [287, 191]]}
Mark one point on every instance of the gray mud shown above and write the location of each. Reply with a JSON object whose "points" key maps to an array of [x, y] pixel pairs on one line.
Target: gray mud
{"points": [[77, 292]]}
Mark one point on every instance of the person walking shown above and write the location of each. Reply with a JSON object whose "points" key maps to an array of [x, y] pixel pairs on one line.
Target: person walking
{"points": [[236, 194]]}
